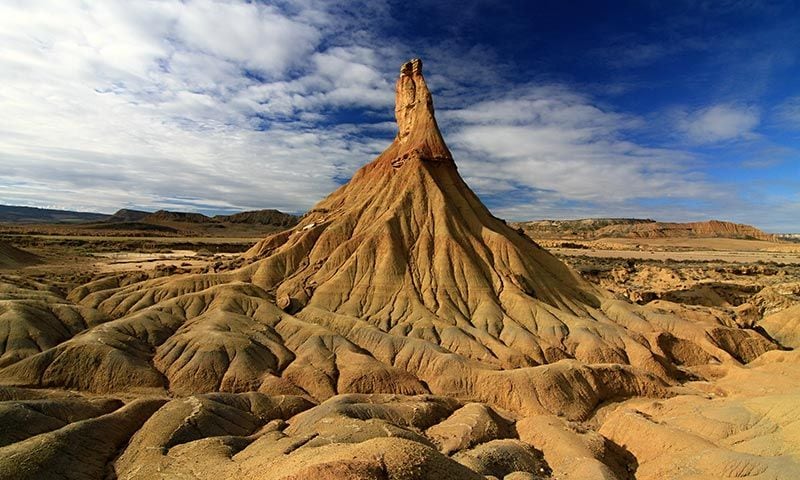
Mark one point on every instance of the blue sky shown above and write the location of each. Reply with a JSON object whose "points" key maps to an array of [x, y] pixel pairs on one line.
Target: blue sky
{"points": [[679, 110]]}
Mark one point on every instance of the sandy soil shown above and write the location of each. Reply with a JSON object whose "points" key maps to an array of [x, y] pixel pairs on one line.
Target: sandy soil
{"points": [[679, 249], [129, 261]]}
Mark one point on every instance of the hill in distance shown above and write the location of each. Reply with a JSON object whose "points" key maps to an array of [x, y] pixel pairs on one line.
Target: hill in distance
{"points": [[127, 215], [260, 217], [196, 224], [253, 217], [594, 228], [182, 217], [32, 215], [585, 229], [398, 331], [17, 214]]}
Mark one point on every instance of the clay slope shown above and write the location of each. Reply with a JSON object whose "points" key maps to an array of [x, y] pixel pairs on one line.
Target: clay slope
{"points": [[13, 257], [35, 318], [743, 426]]}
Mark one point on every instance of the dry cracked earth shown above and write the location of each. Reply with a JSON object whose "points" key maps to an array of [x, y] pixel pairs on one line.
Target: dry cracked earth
{"points": [[399, 331]]}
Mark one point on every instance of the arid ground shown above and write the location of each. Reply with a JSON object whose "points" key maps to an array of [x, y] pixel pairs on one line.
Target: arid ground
{"points": [[398, 331]]}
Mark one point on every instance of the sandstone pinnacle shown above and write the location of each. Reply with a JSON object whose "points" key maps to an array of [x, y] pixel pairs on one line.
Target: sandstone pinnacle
{"points": [[418, 134]]}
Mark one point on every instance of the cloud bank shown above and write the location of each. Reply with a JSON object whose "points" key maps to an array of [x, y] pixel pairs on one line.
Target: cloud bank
{"points": [[199, 105], [217, 106]]}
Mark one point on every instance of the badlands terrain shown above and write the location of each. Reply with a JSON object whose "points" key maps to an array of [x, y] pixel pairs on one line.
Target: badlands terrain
{"points": [[398, 330]]}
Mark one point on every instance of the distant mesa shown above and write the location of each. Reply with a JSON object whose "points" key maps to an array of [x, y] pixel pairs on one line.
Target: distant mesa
{"points": [[260, 217], [140, 220], [127, 215], [18, 214], [593, 228], [255, 217], [406, 146], [167, 216]]}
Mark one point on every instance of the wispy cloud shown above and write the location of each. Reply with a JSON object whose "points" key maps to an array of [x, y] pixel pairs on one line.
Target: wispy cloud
{"points": [[632, 52], [788, 112], [719, 123], [559, 147]]}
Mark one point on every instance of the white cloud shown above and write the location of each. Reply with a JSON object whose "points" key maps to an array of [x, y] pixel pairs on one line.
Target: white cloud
{"points": [[719, 123], [202, 104], [251, 34], [549, 146], [209, 105]]}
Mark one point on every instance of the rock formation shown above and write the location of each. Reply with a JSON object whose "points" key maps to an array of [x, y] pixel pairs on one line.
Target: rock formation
{"points": [[398, 331], [260, 217]]}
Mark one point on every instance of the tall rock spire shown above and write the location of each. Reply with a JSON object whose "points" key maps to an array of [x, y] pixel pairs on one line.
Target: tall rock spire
{"points": [[406, 242], [418, 134]]}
